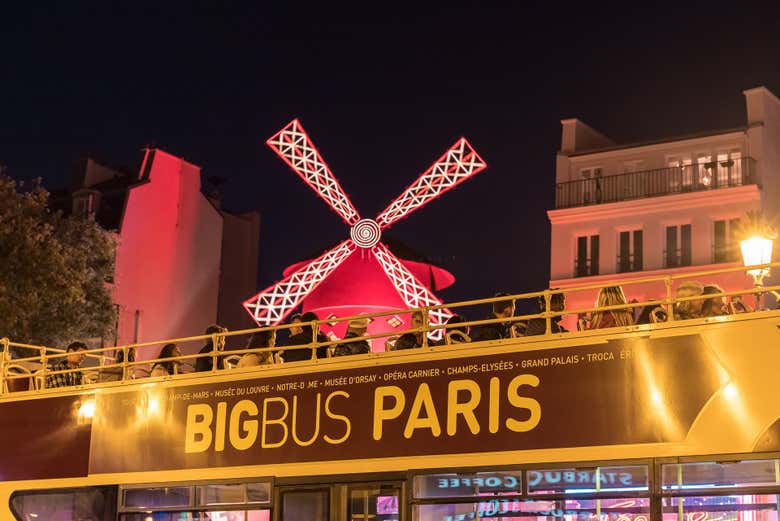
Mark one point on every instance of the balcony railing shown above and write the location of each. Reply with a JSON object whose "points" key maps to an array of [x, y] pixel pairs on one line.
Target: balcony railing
{"points": [[629, 263], [653, 183], [677, 258]]}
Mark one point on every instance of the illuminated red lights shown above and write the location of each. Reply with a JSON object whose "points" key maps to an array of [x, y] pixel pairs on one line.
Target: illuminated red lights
{"points": [[294, 146]]}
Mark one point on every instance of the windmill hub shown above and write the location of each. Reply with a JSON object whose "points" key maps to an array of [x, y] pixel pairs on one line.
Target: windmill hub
{"points": [[365, 233]]}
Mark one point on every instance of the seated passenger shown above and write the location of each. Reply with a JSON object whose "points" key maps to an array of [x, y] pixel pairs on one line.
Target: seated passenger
{"points": [[259, 339], [646, 314], [497, 330], [303, 338], [457, 335], [412, 340], [295, 328], [737, 305], [714, 306], [73, 361], [206, 363], [355, 328], [538, 326], [115, 373], [611, 296], [119, 355], [689, 308], [167, 368]]}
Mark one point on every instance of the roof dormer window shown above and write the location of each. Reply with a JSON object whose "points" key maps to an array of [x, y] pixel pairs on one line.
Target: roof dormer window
{"points": [[85, 203]]}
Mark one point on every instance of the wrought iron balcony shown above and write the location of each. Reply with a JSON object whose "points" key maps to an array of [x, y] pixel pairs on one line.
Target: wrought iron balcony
{"points": [[654, 183]]}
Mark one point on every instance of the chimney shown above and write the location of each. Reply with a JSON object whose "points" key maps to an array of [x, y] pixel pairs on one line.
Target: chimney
{"points": [[759, 101], [576, 136]]}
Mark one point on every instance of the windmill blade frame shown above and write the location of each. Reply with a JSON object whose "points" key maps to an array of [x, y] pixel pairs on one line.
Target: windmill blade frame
{"points": [[457, 164], [273, 304], [296, 148], [410, 289]]}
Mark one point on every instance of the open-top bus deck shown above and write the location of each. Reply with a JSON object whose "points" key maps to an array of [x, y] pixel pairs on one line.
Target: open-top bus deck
{"points": [[673, 420]]}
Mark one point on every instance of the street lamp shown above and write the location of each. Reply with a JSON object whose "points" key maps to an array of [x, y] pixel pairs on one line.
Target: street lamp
{"points": [[757, 250]]}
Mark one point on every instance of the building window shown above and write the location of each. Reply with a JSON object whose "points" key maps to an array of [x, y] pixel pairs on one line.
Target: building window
{"points": [[729, 168], [705, 171], [678, 246], [591, 185], [680, 173], [587, 261], [725, 247], [629, 251]]}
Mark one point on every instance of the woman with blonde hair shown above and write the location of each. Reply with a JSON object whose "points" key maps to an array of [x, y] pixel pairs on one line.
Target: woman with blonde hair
{"points": [[611, 296]]}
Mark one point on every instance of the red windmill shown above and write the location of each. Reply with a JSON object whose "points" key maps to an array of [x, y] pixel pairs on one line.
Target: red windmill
{"points": [[293, 145]]}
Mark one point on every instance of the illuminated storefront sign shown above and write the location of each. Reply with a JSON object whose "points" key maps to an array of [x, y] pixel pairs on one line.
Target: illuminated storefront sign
{"points": [[508, 482], [578, 477], [541, 479]]}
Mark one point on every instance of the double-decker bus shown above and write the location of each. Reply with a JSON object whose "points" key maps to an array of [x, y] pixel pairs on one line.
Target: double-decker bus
{"points": [[671, 420]]}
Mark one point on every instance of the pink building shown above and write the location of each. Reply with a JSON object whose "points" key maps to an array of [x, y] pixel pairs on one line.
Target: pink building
{"points": [[182, 263], [659, 207]]}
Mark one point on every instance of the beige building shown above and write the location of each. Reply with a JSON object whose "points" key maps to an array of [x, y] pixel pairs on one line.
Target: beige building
{"points": [[670, 205]]}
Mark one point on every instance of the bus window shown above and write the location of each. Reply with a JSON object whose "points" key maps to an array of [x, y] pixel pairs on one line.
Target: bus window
{"points": [[212, 515], [711, 474], [742, 507], [93, 503], [311, 505], [234, 493], [375, 504], [157, 497], [518, 509]]}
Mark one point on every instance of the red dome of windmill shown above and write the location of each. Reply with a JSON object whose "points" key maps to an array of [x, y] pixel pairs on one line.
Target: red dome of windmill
{"points": [[361, 274], [360, 285]]}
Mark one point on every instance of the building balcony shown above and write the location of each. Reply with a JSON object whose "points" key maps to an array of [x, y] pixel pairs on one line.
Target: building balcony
{"points": [[653, 183]]}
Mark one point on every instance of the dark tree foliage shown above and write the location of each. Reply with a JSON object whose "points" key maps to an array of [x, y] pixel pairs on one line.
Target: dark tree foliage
{"points": [[53, 271]]}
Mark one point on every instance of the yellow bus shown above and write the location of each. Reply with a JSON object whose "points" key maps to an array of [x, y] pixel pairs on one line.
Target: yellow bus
{"points": [[677, 419]]}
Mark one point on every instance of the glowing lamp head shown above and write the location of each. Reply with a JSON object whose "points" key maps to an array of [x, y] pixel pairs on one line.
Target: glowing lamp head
{"points": [[756, 250], [366, 233]]}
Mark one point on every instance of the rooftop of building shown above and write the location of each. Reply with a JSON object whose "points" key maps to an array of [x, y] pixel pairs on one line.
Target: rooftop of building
{"points": [[657, 141]]}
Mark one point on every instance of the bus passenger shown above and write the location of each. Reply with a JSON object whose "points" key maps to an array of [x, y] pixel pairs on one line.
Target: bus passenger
{"points": [[167, 368], [538, 326], [497, 330], [295, 318], [689, 308], [305, 337], [714, 306], [259, 339], [457, 335], [737, 305], [611, 296], [356, 328], [73, 361], [206, 363], [412, 340]]}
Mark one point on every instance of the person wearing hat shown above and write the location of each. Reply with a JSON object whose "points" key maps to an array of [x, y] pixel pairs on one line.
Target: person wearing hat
{"points": [[356, 328]]}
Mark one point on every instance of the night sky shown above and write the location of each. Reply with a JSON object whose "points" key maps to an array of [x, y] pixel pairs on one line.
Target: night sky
{"points": [[383, 90]]}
